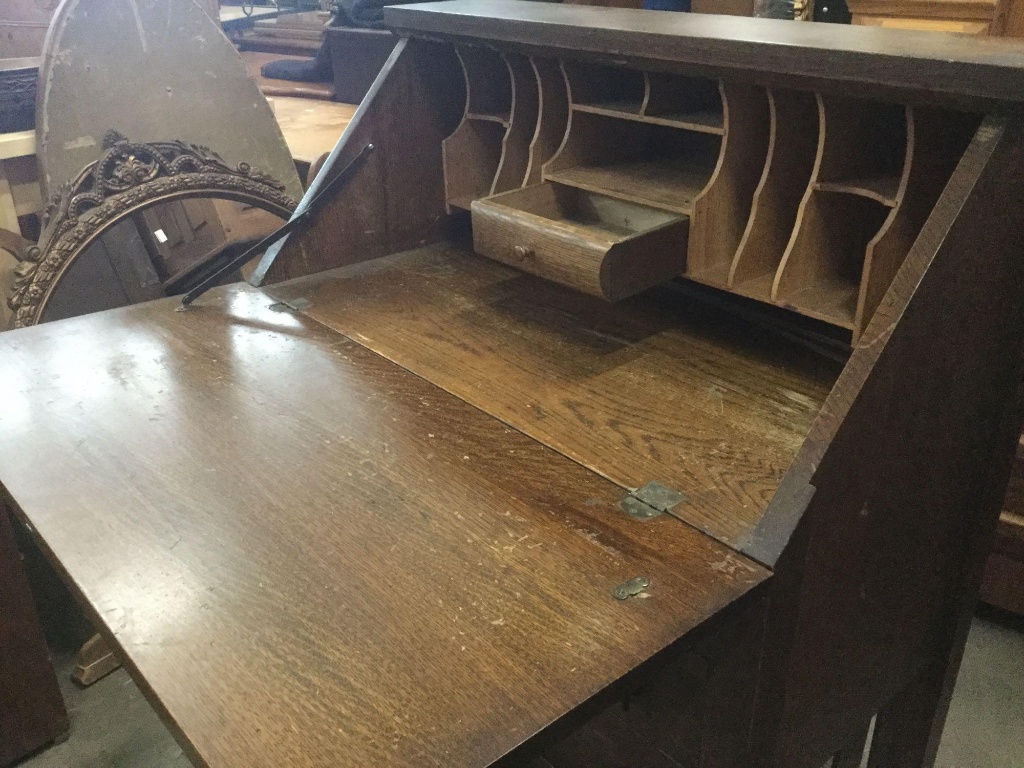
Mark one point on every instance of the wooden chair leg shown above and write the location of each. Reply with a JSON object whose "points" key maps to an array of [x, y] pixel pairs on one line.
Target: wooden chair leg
{"points": [[94, 660], [852, 754]]}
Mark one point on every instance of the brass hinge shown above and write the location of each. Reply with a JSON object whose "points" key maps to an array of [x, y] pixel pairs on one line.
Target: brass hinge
{"points": [[651, 500]]}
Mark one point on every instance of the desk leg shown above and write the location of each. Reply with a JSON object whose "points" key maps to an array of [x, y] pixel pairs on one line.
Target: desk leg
{"points": [[908, 729], [32, 712]]}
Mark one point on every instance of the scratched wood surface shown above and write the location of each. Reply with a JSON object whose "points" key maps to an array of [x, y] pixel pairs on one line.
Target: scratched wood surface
{"points": [[309, 556], [655, 387]]}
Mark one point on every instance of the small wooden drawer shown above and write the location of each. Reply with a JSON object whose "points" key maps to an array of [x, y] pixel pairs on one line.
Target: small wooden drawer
{"points": [[587, 241]]}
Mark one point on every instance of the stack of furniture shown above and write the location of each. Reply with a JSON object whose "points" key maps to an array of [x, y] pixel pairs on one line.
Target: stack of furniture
{"points": [[974, 17], [523, 460], [296, 34]]}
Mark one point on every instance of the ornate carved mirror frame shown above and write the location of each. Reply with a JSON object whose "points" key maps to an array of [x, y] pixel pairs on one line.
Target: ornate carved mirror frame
{"points": [[128, 178]]}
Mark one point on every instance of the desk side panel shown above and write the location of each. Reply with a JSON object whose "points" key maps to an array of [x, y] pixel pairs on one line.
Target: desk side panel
{"points": [[907, 463], [395, 201]]}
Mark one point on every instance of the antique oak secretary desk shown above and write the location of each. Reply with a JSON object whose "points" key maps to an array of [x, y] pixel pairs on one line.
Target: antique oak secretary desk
{"points": [[476, 479]]}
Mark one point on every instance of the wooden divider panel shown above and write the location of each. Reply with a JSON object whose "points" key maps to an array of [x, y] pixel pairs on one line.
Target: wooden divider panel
{"points": [[721, 212], [792, 149], [515, 149], [693, 103], [862, 161], [937, 140], [471, 158], [473, 153], [553, 118], [488, 82]]}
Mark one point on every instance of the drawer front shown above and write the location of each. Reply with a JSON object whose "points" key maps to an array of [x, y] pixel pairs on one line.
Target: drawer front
{"points": [[541, 247], [616, 250]]}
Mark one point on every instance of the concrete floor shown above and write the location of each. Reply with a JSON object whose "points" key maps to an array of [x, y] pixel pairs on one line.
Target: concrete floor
{"points": [[112, 726]]}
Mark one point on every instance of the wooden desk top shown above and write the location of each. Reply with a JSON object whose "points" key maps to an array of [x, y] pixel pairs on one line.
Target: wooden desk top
{"points": [[657, 387], [310, 556]]}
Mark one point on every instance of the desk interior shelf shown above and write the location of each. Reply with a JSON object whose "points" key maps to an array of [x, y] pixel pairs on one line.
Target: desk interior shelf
{"points": [[803, 200]]}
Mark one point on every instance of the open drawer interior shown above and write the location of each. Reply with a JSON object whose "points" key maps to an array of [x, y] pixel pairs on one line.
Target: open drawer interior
{"points": [[592, 242]]}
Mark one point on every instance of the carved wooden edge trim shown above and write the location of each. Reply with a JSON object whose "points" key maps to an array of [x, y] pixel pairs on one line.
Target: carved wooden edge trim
{"points": [[128, 177]]}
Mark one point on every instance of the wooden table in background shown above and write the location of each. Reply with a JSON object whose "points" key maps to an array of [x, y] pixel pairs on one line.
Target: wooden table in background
{"points": [[311, 127]]}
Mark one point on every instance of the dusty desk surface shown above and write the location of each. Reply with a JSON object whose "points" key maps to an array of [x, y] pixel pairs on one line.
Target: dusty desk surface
{"points": [[311, 556]]}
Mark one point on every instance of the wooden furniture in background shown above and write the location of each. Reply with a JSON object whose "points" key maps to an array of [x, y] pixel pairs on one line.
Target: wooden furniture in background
{"points": [[311, 128], [23, 25], [464, 515], [975, 17], [294, 34], [270, 87], [727, 7], [1003, 585], [357, 56]]}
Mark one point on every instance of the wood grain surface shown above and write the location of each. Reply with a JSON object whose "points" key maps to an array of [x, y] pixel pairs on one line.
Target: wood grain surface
{"points": [[308, 556], [919, 65], [651, 388]]}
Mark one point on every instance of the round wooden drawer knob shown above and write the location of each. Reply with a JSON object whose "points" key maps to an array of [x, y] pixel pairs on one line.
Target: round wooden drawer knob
{"points": [[522, 252]]}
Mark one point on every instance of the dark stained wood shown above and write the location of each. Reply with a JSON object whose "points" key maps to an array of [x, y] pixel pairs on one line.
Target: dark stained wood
{"points": [[396, 201], [655, 387], [357, 56], [32, 711], [907, 464], [377, 472], [950, 68], [692, 711], [938, 140], [852, 755], [307, 555], [552, 118]]}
